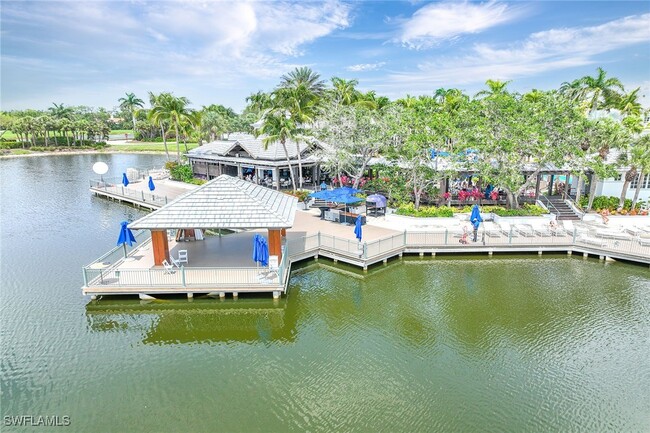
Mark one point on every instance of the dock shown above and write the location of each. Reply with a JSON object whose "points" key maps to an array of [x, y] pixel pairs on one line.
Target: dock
{"points": [[222, 265]]}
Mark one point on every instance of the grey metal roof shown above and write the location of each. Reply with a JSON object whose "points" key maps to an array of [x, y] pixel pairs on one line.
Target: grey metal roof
{"points": [[252, 145], [224, 202]]}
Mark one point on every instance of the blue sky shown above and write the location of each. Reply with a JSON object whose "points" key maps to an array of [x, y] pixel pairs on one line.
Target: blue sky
{"points": [[92, 52]]}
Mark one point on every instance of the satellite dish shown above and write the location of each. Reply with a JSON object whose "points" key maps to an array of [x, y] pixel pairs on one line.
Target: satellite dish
{"points": [[100, 168]]}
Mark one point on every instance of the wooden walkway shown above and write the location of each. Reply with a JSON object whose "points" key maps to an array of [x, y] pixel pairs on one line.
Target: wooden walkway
{"points": [[220, 265]]}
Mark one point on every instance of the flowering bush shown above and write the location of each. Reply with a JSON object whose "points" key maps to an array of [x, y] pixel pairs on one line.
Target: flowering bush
{"points": [[425, 211], [494, 195]]}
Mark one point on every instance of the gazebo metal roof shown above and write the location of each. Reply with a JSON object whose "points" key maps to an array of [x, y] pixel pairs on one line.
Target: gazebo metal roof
{"points": [[224, 202]]}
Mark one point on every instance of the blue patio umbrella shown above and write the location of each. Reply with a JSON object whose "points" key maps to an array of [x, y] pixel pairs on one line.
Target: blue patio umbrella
{"points": [[126, 236], [260, 250], [475, 219], [323, 195], [151, 185], [125, 180], [378, 199], [357, 228], [346, 190]]}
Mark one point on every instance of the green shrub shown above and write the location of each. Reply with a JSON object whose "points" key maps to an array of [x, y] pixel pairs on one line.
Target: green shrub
{"points": [[610, 203], [10, 145], [425, 211], [180, 172]]}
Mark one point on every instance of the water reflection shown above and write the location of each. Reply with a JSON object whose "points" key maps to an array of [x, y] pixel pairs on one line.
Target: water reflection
{"points": [[205, 320]]}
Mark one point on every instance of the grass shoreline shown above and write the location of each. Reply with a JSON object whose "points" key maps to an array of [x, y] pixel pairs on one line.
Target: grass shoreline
{"points": [[80, 152]]}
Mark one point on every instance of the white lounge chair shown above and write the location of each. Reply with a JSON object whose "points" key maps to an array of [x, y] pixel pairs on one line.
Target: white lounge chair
{"points": [[542, 230], [591, 240], [612, 234], [525, 230], [491, 229], [507, 229], [169, 269]]}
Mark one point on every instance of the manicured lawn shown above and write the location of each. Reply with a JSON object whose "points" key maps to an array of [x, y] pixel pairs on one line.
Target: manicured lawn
{"points": [[149, 147], [121, 131], [8, 135]]}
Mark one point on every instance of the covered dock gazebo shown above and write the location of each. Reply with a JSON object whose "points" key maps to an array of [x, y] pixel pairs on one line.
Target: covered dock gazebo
{"points": [[225, 202]]}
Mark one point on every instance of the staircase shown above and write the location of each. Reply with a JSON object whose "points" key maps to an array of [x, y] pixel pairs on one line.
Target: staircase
{"points": [[559, 208]]}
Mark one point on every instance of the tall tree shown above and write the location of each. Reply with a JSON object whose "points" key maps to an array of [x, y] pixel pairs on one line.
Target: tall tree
{"points": [[344, 91], [278, 128], [131, 103], [174, 110], [599, 90], [160, 120], [641, 157], [495, 87], [303, 76]]}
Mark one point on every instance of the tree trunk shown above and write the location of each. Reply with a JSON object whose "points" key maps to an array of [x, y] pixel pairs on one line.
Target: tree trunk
{"points": [[164, 137], [67, 137], [638, 189], [513, 203], [579, 190], [299, 165], [592, 191], [621, 201], [178, 145], [286, 153], [133, 118]]}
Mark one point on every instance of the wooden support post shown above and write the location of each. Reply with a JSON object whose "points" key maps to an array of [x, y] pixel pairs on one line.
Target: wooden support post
{"points": [[276, 294], [539, 252], [569, 252], [490, 252], [433, 253], [160, 246], [421, 254], [235, 295], [222, 295], [585, 255], [275, 243], [190, 295]]}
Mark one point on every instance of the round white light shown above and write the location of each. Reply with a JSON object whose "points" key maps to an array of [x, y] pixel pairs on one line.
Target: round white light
{"points": [[100, 167]]}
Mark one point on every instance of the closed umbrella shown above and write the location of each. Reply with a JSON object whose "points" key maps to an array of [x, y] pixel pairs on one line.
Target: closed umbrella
{"points": [[475, 219], [151, 185], [357, 228], [260, 250], [126, 236], [125, 180]]}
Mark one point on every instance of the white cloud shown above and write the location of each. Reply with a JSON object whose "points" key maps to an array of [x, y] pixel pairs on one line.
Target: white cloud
{"points": [[437, 22], [541, 52], [365, 67], [213, 44]]}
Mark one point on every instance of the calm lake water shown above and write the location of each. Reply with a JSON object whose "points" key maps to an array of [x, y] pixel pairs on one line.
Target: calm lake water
{"points": [[509, 344]]}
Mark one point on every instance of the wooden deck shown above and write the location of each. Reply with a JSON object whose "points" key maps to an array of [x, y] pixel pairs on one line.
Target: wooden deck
{"points": [[220, 265]]}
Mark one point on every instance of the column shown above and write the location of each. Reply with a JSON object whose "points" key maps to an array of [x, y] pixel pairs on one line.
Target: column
{"points": [[276, 178], [240, 173], [160, 246], [275, 243]]}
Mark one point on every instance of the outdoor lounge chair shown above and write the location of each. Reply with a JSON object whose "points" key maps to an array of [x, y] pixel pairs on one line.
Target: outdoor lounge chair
{"points": [[507, 229], [644, 240], [491, 229], [182, 256], [612, 233], [542, 230], [525, 230], [592, 240], [169, 269]]}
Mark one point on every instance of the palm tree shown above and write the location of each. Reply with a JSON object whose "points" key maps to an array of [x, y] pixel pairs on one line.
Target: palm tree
{"points": [[153, 100], [600, 89], [641, 157], [59, 111], [258, 102], [278, 127], [629, 103], [306, 77], [345, 92], [495, 87], [174, 110], [131, 103]]}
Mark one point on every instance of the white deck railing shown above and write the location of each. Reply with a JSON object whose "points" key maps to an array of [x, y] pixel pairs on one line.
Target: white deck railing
{"points": [[96, 274]]}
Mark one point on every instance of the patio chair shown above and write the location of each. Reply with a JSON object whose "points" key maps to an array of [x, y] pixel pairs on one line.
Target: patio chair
{"points": [[491, 229], [591, 240], [174, 262], [182, 256], [542, 230], [525, 230], [507, 229], [169, 269]]}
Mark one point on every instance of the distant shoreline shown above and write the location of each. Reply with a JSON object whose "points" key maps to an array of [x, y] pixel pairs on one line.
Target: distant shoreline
{"points": [[82, 152]]}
